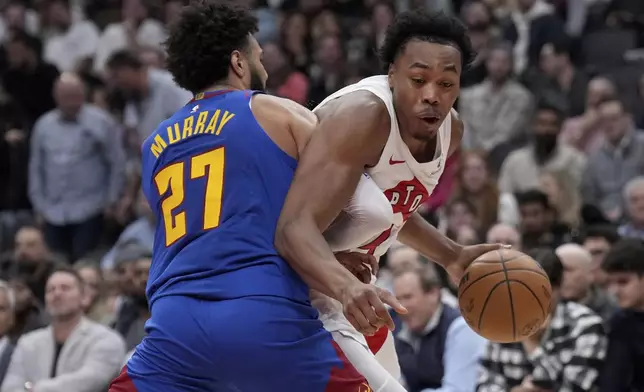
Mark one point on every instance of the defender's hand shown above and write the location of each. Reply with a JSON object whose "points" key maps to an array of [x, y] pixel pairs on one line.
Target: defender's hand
{"points": [[361, 265], [364, 307]]}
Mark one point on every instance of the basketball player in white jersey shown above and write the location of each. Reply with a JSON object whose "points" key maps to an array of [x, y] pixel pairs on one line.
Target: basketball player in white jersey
{"points": [[400, 128]]}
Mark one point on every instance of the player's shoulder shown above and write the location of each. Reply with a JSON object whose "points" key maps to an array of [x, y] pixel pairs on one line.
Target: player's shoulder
{"points": [[270, 104], [362, 107]]}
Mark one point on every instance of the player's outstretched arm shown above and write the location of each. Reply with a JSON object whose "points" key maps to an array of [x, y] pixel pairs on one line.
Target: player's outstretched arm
{"points": [[351, 133]]}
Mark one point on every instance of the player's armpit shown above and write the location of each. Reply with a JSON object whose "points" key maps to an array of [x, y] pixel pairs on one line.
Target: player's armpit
{"points": [[351, 133]]}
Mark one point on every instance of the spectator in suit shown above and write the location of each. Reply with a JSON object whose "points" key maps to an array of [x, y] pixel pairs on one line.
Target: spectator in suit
{"points": [[436, 349], [7, 306], [624, 370], [567, 354], [73, 354]]}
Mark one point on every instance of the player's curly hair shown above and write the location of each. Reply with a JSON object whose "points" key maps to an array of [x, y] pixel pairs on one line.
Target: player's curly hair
{"points": [[431, 27], [199, 44]]}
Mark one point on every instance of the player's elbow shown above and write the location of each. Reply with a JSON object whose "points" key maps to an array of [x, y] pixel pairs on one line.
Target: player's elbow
{"points": [[286, 233]]}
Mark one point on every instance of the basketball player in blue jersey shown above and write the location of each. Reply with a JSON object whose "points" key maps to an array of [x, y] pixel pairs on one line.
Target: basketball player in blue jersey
{"points": [[228, 313]]}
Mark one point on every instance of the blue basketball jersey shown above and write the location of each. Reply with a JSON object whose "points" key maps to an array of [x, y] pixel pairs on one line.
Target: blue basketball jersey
{"points": [[216, 183]]}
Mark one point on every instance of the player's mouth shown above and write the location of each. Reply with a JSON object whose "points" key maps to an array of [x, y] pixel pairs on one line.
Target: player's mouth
{"points": [[431, 120]]}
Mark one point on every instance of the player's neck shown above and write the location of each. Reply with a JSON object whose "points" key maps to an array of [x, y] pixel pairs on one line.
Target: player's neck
{"points": [[64, 327], [236, 85]]}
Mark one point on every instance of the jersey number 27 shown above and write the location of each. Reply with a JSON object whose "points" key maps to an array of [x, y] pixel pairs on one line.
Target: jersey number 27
{"points": [[172, 178]]}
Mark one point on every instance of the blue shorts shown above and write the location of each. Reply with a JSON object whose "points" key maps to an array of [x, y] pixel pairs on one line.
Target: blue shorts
{"points": [[250, 344]]}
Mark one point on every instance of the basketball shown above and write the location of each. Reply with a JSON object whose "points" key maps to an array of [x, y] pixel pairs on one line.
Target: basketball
{"points": [[504, 296]]}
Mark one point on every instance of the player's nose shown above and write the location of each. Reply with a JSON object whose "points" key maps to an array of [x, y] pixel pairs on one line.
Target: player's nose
{"points": [[430, 94]]}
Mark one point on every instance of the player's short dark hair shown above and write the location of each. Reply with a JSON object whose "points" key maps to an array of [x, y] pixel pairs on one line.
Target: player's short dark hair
{"points": [[532, 196], [427, 26], [605, 231], [551, 264], [626, 255], [66, 269], [200, 43], [124, 59]]}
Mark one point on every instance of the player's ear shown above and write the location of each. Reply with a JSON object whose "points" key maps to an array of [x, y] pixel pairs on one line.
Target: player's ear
{"points": [[237, 63], [390, 75]]}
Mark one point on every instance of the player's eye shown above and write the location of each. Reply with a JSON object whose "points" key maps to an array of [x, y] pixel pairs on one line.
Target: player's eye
{"points": [[447, 84], [418, 80]]}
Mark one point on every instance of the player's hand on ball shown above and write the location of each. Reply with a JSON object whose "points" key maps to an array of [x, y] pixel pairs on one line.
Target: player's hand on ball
{"points": [[361, 265], [364, 307], [468, 254]]}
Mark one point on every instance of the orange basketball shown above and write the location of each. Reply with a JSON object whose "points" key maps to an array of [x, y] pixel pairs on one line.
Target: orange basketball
{"points": [[504, 296]]}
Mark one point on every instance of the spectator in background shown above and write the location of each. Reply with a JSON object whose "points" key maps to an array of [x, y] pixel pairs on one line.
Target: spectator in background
{"points": [[16, 16], [29, 80], [70, 45], [7, 307], [577, 284], [136, 29], [295, 40], [76, 170], [95, 303], [563, 197], [152, 96], [29, 313], [520, 171], [328, 71], [481, 30], [504, 234], [620, 159], [475, 184], [133, 310], [93, 353], [31, 259], [560, 77], [436, 349], [537, 229], [403, 258], [496, 111], [567, 354], [284, 81], [624, 370], [598, 240], [584, 131], [15, 208], [634, 199], [533, 24], [140, 232], [460, 222]]}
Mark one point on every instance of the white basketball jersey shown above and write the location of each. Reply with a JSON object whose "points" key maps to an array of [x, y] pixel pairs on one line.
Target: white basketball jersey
{"points": [[405, 182]]}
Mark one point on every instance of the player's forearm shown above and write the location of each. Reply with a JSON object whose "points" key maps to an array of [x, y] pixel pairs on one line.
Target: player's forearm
{"points": [[418, 234], [302, 245]]}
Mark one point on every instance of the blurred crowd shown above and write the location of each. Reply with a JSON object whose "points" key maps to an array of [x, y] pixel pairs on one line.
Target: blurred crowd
{"points": [[552, 163]]}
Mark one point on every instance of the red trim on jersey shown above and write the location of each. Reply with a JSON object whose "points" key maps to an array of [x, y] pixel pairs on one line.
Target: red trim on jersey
{"points": [[378, 339], [345, 378], [122, 383], [208, 94]]}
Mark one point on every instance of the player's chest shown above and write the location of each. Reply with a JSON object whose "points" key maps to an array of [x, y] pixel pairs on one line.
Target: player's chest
{"points": [[405, 190]]}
